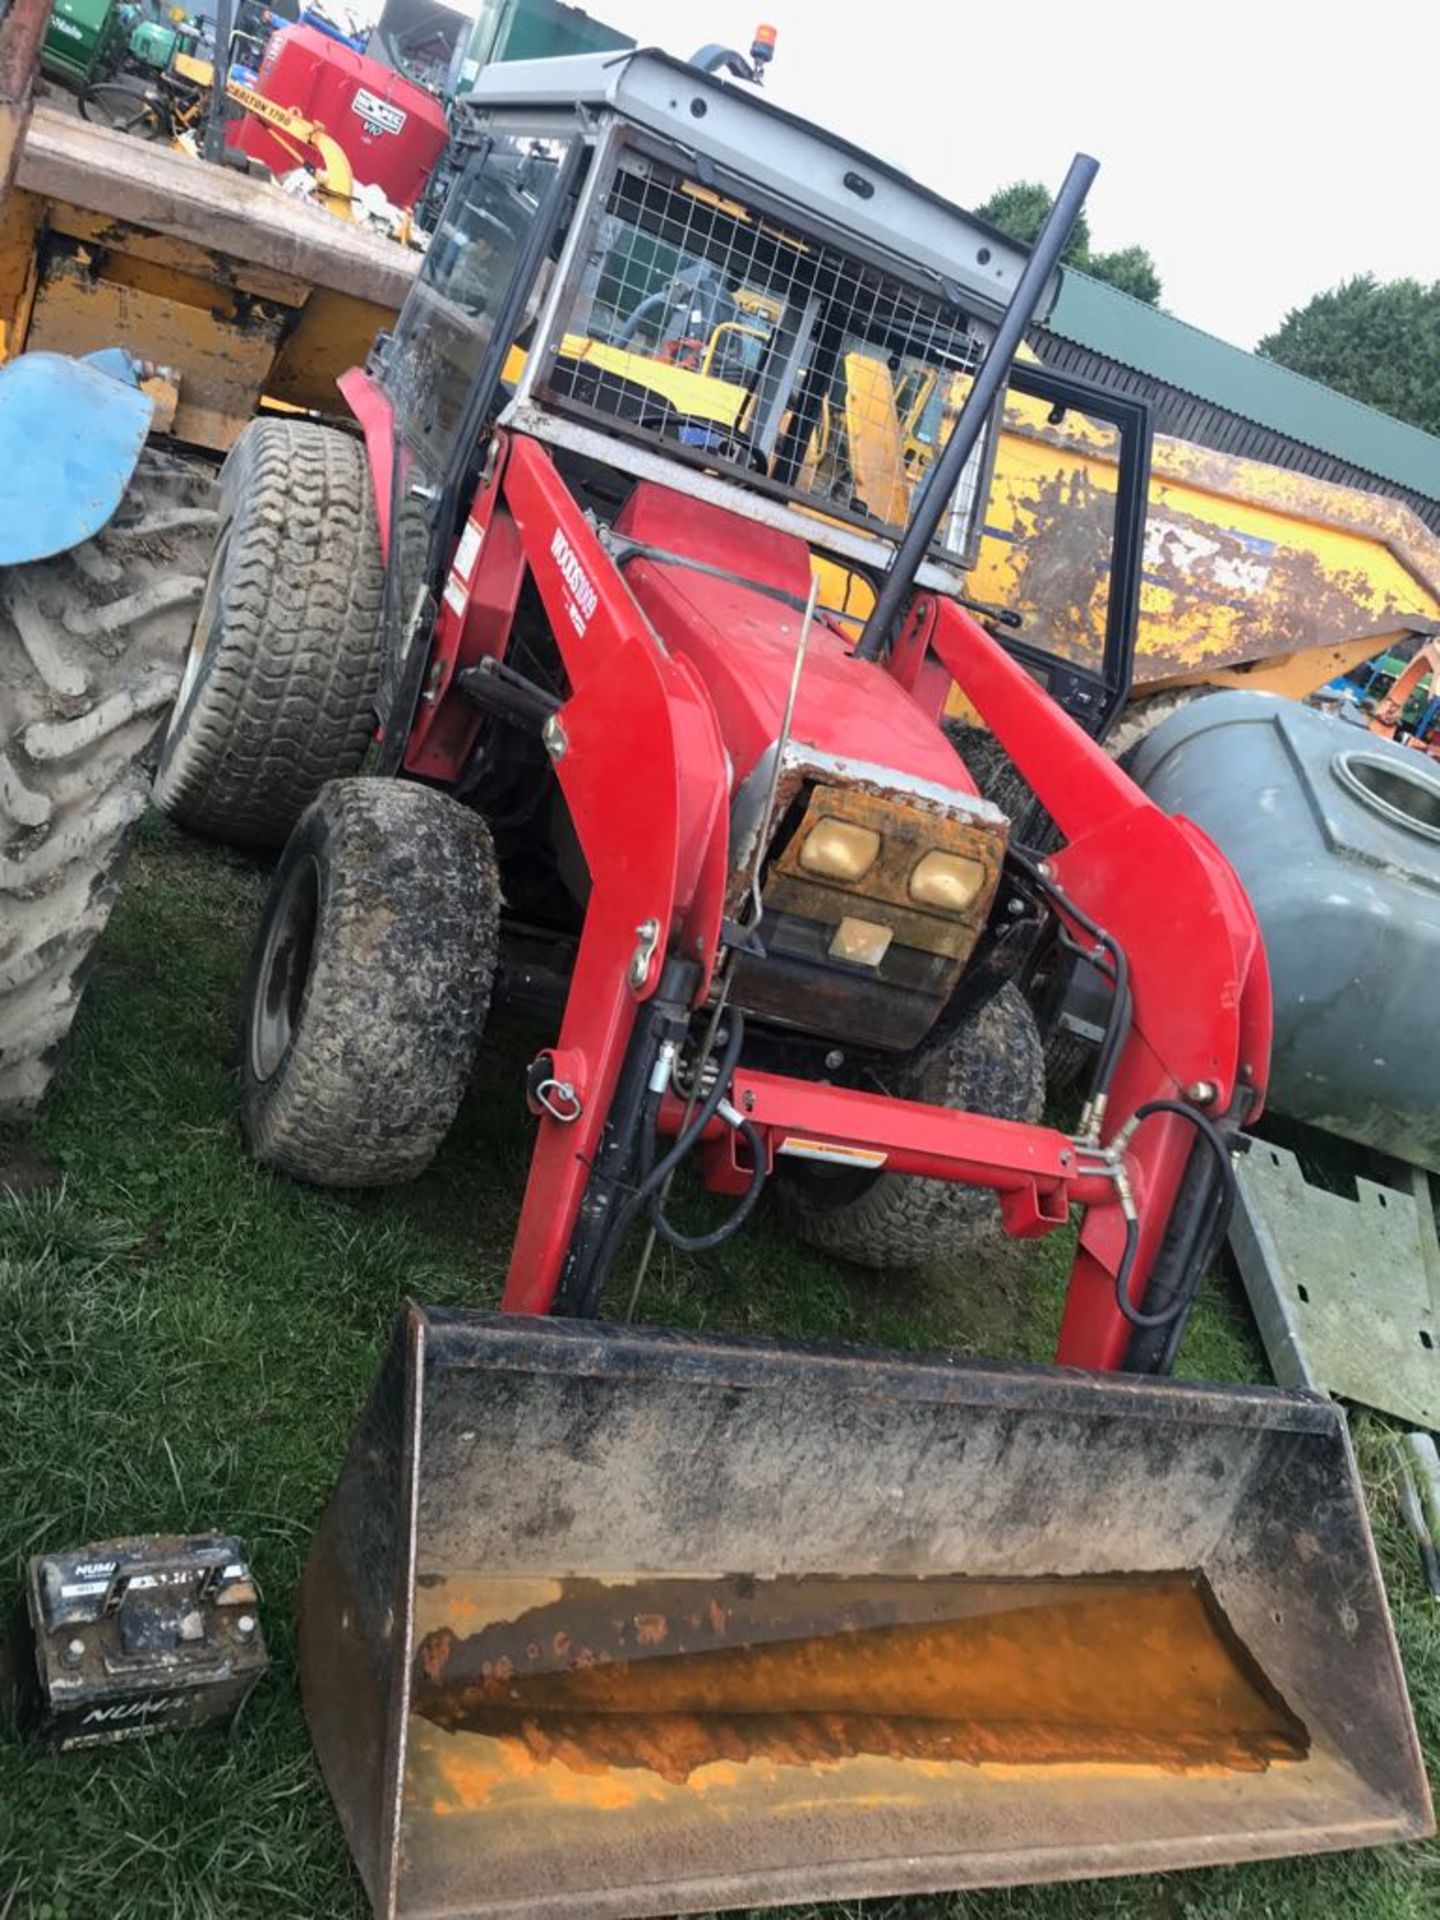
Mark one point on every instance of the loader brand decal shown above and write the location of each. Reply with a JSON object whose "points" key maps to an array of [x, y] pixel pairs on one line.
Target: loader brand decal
{"points": [[831, 1152], [1240, 563], [124, 1710], [583, 597], [380, 116]]}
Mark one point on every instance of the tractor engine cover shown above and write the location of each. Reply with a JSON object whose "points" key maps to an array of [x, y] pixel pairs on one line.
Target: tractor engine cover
{"points": [[142, 1636]]}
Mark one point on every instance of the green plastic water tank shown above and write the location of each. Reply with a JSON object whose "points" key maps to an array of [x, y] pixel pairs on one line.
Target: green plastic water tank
{"points": [[1335, 834]]}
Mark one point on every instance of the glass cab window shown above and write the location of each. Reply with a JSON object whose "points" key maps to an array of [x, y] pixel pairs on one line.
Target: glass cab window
{"points": [[465, 290]]}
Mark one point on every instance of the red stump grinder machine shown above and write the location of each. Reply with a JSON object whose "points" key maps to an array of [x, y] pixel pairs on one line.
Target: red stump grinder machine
{"points": [[614, 1621]]}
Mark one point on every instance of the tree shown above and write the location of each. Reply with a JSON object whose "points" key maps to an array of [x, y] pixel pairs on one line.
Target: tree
{"points": [[1377, 340], [1020, 211], [1131, 270]]}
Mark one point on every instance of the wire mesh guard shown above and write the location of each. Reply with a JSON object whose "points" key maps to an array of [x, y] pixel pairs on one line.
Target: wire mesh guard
{"points": [[711, 327]]}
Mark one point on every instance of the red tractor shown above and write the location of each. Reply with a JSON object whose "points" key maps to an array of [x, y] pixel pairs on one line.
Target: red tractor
{"points": [[660, 755], [624, 751]]}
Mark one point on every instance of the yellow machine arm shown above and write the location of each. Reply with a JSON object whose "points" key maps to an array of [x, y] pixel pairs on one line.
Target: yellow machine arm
{"points": [[333, 177], [1426, 659]]}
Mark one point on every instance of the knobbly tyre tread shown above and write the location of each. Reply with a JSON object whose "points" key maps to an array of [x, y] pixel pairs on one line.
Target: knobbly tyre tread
{"points": [[1141, 717], [399, 986], [1068, 1058], [280, 696], [1000, 781], [90, 648], [991, 1064]]}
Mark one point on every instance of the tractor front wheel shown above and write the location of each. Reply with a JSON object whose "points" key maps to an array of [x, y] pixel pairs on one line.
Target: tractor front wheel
{"points": [[990, 1063], [369, 984], [278, 693]]}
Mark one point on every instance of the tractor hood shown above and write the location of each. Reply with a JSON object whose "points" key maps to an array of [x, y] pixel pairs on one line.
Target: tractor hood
{"points": [[741, 639], [870, 797]]}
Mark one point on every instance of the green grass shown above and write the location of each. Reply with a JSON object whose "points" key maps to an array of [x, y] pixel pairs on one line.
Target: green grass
{"points": [[184, 1340]]}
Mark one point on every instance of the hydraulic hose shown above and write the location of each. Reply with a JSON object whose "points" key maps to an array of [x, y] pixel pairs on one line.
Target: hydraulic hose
{"points": [[1117, 1028], [734, 1220], [655, 1175], [1215, 1141]]}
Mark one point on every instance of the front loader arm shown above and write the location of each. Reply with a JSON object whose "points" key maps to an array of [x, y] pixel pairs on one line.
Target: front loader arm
{"points": [[638, 755], [1198, 976]]}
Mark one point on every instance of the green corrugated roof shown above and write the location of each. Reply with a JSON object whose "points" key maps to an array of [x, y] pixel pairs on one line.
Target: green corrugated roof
{"points": [[1110, 322]]}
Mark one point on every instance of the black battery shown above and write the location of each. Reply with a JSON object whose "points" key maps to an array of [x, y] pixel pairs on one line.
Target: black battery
{"points": [[142, 1636]]}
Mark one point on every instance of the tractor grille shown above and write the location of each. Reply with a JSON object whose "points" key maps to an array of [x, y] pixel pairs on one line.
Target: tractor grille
{"points": [[735, 339]]}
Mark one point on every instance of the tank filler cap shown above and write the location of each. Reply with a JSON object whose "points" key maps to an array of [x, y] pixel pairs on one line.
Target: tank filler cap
{"points": [[1407, 797]]}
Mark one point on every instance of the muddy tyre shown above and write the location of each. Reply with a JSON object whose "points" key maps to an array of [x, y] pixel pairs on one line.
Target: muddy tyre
{"points": [[990, 1064], [1140, 719], [278, 694], [91, 643], [369, 985]]}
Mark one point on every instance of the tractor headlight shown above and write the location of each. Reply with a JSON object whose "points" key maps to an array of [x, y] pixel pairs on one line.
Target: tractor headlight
{"points": [[948, 882], [839, 849]]}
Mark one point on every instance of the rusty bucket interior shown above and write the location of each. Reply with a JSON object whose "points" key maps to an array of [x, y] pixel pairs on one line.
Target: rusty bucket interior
{"points": [[618, 1622]]}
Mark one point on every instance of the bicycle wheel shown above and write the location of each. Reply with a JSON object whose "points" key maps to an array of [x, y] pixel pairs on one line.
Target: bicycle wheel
{"points": [[128, 106]]}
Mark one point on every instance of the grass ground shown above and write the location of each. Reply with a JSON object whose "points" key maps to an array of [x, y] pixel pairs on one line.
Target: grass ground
{"points": [[184, 1340]]}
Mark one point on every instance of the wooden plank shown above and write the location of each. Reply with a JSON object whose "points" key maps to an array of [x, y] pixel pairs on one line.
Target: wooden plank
{"points": [[103, 172]]}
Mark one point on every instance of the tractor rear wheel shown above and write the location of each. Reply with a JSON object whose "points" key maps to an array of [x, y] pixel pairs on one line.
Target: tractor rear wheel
{"points": [[369, 984], [278, 694], [90, 648], [991, 1063]]}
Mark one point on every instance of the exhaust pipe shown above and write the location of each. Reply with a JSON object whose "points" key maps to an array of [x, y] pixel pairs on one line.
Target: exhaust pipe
{"points": [[621, 1622]]}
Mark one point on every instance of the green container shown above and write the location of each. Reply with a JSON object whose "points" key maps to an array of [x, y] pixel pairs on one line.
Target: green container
{"points": [[533, 30], [79, 40], [152, 43]]}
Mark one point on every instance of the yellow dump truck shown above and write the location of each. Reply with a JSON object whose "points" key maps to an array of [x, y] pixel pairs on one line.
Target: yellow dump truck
{"points": [[1254, 575]]}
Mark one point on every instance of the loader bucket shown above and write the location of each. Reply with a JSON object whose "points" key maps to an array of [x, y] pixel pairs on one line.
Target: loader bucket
{"points": [[607, 1622]]}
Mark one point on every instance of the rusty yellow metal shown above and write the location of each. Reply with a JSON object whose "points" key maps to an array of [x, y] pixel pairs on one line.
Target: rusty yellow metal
{"points": [[223, 362], [225, 271], [1253, 575], [240, 292], [333, 331], [20, 218]]}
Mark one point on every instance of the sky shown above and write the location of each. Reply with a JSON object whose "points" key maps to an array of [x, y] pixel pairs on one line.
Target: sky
{"points": [[1261, 151]]}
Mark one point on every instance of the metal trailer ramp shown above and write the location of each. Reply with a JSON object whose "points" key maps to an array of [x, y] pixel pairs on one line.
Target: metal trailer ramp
{"points": [[615, 1622], [1346, 1293]]}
